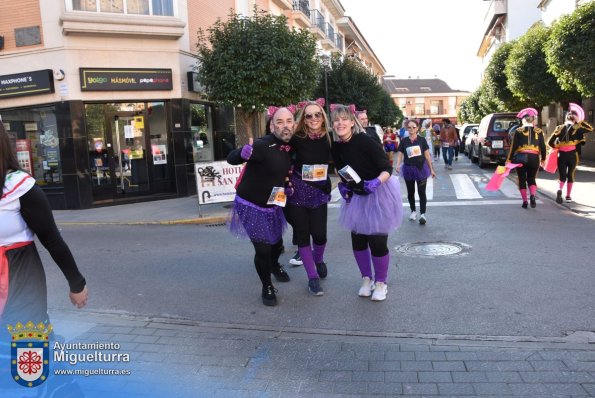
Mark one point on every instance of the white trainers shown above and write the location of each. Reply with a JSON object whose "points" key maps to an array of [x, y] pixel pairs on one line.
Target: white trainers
{"points": [[380, 291], [422, 219], [367, 287], [413, 216]]}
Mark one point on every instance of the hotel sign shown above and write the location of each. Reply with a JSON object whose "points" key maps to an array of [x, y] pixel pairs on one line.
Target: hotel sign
{"points": [[115, 79], [28, 83]]}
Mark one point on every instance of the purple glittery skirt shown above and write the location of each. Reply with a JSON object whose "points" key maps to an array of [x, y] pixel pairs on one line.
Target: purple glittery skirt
{"points": [[259, 224], [376, 214], [305, 195], [414, 173]]}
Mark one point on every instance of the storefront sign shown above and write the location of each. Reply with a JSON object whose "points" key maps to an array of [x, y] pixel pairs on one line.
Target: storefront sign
{"points": [[29, 83], [115, 79], [215, 181]]}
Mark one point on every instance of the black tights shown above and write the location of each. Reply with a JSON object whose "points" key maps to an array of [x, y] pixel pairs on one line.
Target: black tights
{"points": [[378, 244], [567, 162], [309, 222], [528, 172], [421, 191], [265, 258]]}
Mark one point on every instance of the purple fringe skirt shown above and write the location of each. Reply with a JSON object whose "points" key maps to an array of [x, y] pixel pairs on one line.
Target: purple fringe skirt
{"points": [[259, 224], [375, 214], [305, 195], [414, 173]]}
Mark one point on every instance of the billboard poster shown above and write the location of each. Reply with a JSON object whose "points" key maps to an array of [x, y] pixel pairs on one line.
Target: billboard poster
{"points": [[215, 181]]}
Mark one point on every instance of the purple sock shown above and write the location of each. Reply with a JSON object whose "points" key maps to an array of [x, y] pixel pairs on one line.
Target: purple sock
{"points": [[364, 262], [319, 253], [308, 260], [381, 268]]}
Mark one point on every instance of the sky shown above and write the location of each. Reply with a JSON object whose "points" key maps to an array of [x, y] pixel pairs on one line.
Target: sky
{"points": [[424, 38]]}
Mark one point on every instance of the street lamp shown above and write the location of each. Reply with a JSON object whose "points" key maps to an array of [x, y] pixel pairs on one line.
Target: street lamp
{"points": [[326, 63]]}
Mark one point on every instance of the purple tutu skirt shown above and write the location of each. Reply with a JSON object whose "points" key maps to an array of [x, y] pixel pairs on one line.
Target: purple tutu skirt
{"points": [[259, 224], [305, 195], [414, 173], [375, 214]]}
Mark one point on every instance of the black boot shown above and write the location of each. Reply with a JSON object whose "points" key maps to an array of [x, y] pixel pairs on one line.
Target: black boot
{"points": [[268, 296], [279, 272], [559, 196], [525, 204], [532, 201]]}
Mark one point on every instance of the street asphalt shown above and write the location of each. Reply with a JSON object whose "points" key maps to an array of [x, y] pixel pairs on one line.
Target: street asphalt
{"points": [[192, 358]]}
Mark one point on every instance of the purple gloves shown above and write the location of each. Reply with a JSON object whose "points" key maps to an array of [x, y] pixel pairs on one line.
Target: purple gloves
{"points": [[246, 152], [345, 192], [371, 186]]}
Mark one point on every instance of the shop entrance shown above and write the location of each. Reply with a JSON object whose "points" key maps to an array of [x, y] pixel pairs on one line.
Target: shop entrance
{"points": [[126, 157]]}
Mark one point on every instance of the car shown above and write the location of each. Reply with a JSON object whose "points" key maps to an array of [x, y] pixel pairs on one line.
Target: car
{"points": [[464, 131], [492, 142], [469, 140]]}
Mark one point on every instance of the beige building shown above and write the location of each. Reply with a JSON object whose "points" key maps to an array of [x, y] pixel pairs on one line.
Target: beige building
{"points": [[100, 99]]}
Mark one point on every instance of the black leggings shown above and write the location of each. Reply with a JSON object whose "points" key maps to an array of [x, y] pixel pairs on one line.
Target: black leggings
{"points": [[421, 190], [567, 162], [528, 172], [378, 244], [436, 151], [265, 257], [309, 222]]}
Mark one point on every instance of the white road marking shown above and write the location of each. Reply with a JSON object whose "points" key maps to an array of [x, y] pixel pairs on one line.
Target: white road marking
{"points": [[464, 187]]}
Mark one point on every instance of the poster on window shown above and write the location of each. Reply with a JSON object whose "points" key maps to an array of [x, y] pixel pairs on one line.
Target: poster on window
{"points": [[215, 181], [159, 154], [24, 156]]}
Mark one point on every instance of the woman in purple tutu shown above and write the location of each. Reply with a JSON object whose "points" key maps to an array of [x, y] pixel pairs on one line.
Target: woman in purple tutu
{"points": [[414, 155], [372, 207], [311, 190]]}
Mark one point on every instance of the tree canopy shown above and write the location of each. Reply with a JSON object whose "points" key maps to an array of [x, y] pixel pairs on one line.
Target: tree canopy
{"points": [[349, 82], [256, 61], [570, 50], [495, 81]]}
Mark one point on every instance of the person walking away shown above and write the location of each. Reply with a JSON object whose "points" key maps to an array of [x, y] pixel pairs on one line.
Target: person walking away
{"points": [[416, 161], [372, 207], [311, 191], [436, 140], [260, 195], [527, 148], [567, 139], [448, 140], [391, 143]]}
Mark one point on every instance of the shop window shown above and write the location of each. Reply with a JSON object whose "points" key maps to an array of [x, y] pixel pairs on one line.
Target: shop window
{"points": [[35, 134], [159, 146], [199, 140]]}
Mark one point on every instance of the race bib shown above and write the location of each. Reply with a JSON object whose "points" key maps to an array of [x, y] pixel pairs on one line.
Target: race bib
{"points": [[445, 145], [277, 197], [314, 172], [413, 151]]}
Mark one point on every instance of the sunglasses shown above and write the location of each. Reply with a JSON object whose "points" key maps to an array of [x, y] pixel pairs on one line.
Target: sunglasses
{"points": [[316, 115], [411, 127]]}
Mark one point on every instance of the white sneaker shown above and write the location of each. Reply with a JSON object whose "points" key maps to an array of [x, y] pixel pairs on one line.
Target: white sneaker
{"points": [[367, 287], [413, 216], [422, 219], [380, 291]]}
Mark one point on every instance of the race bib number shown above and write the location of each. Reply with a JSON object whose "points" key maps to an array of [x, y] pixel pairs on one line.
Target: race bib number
{"points": [[413, 151], [277, 197], [445, 145], [314, 172]]}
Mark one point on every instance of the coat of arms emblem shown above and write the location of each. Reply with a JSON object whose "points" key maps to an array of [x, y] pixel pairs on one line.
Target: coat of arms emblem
{"points": [[30, 353]]}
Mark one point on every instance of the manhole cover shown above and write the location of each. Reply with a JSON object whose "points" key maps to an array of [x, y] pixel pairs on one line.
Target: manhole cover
{"points": [[433, 249]]}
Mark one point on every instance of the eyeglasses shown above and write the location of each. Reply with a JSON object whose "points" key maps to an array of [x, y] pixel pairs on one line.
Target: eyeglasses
{"points": [[316, 115], [411, 127]]}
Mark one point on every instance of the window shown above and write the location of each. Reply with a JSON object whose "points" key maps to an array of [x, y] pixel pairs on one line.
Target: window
{"points": [[435, 107], [130, 7], [34, 132], [419, 109], [199, 140]]}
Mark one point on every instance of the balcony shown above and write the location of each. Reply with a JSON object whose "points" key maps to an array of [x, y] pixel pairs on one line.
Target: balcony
{"points": [[301, 13], [318, 25], [339, 42], [496, 9]]}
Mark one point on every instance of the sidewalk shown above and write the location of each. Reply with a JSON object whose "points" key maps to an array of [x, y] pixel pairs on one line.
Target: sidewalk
{"points": [[182, 358]]}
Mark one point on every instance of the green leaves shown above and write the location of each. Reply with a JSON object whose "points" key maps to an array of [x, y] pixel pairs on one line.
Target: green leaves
{"points": [[256, 61]]}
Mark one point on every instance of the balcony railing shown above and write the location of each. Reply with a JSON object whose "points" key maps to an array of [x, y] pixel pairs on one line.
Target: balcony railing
{"points": [[303, 6], [339, 41], [318, 20], [330, 32]]}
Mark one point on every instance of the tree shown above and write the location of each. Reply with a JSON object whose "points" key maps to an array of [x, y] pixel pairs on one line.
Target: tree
{"points": [[253, 62], [570, 50], [349, 82], [470, 110], [527, 74], [495, 81]]}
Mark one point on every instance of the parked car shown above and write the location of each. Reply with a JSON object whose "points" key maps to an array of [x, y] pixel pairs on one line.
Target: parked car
{"points": [[492, 142], [469, 140], [464, 131]]}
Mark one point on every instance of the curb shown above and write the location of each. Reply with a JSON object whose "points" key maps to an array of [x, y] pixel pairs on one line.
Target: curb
{"points": [[186, 221]]}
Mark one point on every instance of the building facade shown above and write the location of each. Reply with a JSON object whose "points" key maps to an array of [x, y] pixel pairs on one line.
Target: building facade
{"points": [[425, 98], [100, 97]]}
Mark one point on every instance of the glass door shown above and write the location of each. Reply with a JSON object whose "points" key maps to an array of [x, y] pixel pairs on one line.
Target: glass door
{"points": [[131, 169]]}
